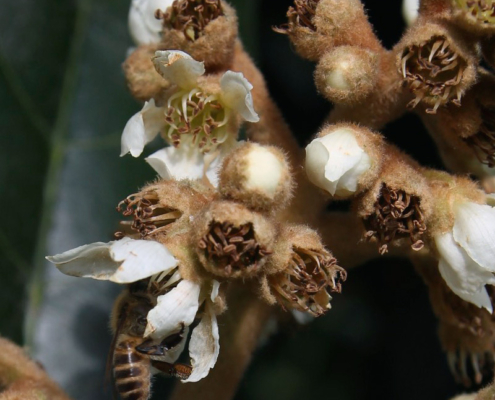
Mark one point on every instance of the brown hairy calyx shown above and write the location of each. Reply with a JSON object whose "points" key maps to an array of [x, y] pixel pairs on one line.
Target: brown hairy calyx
{"points": [[433, 72], [149, 216], [397, 215], [191, 16], [232, 248], [302, 285], [482, 10], [300, 15], [483, 141]]}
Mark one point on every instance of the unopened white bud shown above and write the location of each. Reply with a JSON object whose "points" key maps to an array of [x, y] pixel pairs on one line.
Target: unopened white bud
{"points": [[336, 162]]}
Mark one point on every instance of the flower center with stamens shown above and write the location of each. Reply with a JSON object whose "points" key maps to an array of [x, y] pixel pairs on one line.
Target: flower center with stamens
{"points": [[191, 16], [232, 248], [483, 141], [301, 14], [482, 10], [397, 215], [149, 216], [433, 72], [305, 283], [197, 116]]}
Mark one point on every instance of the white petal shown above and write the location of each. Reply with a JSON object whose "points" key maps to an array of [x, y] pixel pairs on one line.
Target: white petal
{"points": [[143, 26], [178, 68], [177, 307], [335, 162], [236, 95], [186, 162], [204, 346], [141, 129], [214, 290], [410, 11], [121, 261], [464, 276], [474, 231]]}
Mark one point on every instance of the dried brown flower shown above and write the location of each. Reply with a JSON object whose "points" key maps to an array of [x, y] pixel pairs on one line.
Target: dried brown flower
{"points": [[305, 283], [433, 71], [232, 248], [300, 15], [396, 215], [149, 215], [191, 16]]}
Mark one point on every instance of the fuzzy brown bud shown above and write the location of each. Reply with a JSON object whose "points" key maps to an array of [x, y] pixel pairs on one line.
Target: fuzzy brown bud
{"points": [[347, 74], [143, 81], [232, 241], [257, 176], [205, 29]]}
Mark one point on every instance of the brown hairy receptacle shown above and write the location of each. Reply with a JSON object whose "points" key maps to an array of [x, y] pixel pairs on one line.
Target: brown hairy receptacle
{"points": [[149, 216], [305, 283], [191, 16], [433, 72], [397, 215], [300, 15], [232, 248], [483, 141]]}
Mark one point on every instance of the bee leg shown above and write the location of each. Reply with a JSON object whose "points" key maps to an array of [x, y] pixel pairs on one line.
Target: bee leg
{"points": [[147, 347], [177, 370]]}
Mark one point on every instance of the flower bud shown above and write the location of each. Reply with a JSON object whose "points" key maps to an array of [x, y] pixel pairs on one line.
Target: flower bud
{"points": [[232, 241], [410, 11], [142, 79], [257, 176], [343, 159], [205, 29], [437, 65], [347, 74]]}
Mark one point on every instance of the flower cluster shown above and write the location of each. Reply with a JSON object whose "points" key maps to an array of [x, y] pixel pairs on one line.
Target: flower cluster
{"points": [[226, 214], [435, 72]]}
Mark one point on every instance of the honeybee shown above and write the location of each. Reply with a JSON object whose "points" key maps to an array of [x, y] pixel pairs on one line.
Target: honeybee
{"points": [[131, 358]]}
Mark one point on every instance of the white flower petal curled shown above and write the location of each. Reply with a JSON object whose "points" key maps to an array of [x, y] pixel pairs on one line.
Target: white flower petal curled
{"points": [[204, 346], [177, 307], [474, 231], [463, 275], [122, 261], [236, 95], [141, 129], [336, 162], [178, 67], [144, 27]]}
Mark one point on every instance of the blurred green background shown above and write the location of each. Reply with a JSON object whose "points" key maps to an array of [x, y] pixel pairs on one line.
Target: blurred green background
{"points": [[63, 105]]}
